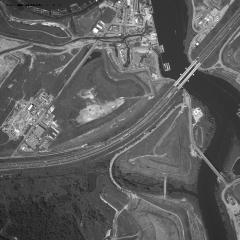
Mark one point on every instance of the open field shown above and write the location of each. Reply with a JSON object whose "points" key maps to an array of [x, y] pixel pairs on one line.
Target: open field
{"points": [[8, 44], [105, 89], [7, 65], [84, 23], [115, 123], [163, 152], [146, 216]]}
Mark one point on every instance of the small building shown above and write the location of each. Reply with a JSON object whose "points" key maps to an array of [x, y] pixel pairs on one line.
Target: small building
{"points": [[166, 67], [100, 22], [38, 132], [51, 109], [56, 131], [30, 107], [32, 141], [100, 27], [95, 30]]}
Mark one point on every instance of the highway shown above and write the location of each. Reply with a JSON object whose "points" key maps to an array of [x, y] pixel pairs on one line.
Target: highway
{"points": [[135, 132], [128, 137], [215, 42]]}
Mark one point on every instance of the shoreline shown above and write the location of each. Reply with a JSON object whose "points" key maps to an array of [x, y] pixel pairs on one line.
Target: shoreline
{"points": [[189, 32], [186, 43]]}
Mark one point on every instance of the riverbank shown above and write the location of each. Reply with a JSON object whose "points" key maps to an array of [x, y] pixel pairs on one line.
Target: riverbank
{"points": [[206, 124], [190, 33], [219, 71], [214, 93]]}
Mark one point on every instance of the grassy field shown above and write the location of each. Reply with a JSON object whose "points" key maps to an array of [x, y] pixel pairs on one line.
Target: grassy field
{"points": [[107, 89], [113, 124], [83, 24], [164, 152]]}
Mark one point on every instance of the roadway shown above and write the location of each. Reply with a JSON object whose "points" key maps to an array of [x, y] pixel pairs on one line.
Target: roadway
{"points": [[82, 62], [9, 50], [120, 142], [215, 42], [130, 135]]}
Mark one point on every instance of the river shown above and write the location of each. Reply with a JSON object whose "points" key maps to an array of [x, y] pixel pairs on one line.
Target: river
{"points": [[220, 97]]}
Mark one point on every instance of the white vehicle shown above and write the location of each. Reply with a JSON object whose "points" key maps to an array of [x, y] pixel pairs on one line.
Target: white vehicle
{"points": [[161, 48]]}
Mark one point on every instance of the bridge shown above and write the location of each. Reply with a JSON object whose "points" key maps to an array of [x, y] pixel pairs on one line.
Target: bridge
{"points": [[220, 177], [178, 85], [187, 74]]}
